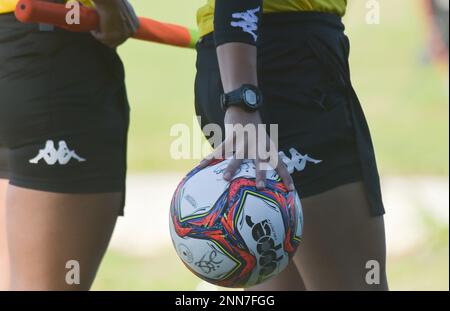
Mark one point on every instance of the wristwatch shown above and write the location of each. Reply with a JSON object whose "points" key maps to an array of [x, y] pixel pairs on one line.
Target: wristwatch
{"points": [[247, 96]]}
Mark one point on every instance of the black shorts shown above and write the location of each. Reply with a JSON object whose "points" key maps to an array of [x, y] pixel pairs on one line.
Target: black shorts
{"points": [[304, 76], [64, 112], [4, 171]]}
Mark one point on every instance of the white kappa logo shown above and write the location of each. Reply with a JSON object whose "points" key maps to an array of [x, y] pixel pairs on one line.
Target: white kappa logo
{"points": [[298, 161], [248, 22], [51, 155]]}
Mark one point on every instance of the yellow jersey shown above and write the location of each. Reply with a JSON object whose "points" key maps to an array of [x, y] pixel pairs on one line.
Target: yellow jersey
{"points": [[8, 6], [205, 15]]}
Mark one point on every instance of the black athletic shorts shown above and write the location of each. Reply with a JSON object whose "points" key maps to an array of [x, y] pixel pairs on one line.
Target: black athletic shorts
{"points": [[4, 163], [64, 112], [304, 76]]}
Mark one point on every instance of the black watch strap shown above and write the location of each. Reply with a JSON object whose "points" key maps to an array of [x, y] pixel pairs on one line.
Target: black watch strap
{"points": [[248, 97]]}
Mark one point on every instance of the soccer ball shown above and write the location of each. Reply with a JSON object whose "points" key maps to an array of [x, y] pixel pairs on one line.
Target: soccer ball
{"points": [[229, 233]]}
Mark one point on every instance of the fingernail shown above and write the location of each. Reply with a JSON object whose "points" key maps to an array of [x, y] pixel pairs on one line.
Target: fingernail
{"points": [[291, 187], [227, 175], [261, 185]]}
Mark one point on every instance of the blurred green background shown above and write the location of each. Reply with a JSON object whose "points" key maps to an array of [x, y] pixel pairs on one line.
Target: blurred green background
{"points": [[405, 100]]}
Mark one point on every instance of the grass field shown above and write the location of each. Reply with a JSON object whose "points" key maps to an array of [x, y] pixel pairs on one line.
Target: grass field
{"points": [[405, 100], [423, 268], [417, 270]]}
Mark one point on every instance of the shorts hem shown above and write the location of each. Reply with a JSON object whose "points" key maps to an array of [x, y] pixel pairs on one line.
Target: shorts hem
{"points": [[339, 177], [88, 186], [66, 187]]}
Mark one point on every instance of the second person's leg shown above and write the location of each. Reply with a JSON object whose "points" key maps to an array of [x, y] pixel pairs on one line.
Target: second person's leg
{"points": [[50, 234], [4, 257]]}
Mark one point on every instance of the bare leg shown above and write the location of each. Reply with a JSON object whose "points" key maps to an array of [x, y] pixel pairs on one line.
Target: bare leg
{"points": [[4, 263], [340, 237], [288, 280], [47, 230]]}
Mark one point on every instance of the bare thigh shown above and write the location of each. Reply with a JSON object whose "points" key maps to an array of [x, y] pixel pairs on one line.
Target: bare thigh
{"points": [[340, 238], [288, 280], [46, 231], [4, 265]]}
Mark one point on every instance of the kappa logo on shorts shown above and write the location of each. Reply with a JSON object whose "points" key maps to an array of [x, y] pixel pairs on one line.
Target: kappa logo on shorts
{"points": [[51, 155], [248, 22], [297, 162]]}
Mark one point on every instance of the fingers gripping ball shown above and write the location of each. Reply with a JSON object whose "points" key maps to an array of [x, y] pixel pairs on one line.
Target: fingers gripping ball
{"points": [[229, 233]]}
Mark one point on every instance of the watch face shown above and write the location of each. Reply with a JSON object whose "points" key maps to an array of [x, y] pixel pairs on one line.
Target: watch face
{"points": [[250, 98]]}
